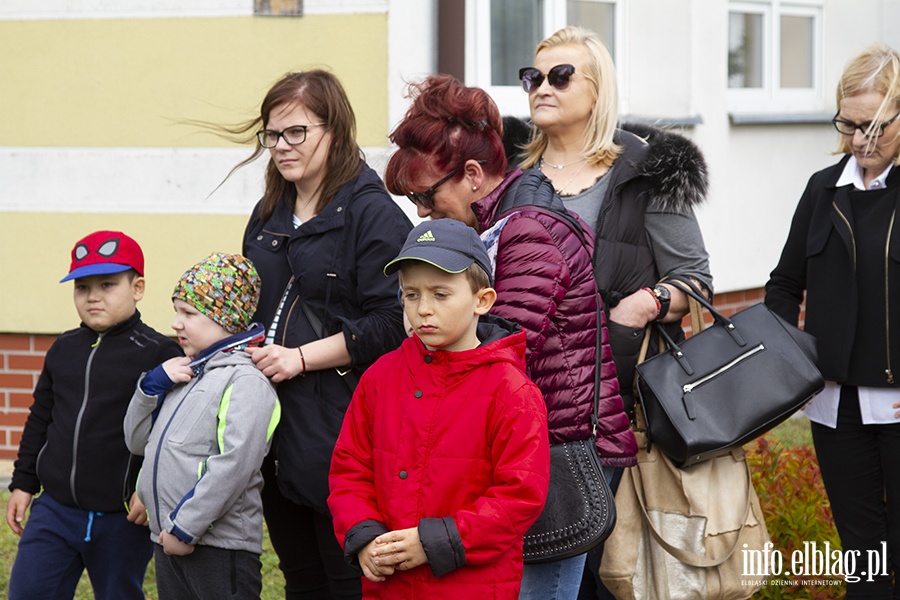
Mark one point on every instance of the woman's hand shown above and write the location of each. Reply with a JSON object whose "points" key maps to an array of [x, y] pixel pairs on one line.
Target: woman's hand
{"points": [[635, 310], [277, 362]]}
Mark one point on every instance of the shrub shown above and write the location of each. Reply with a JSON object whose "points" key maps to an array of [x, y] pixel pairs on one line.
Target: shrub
{"points": [[796, 509]]}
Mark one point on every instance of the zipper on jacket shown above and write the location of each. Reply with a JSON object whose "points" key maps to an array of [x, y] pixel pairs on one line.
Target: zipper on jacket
{"points": [[84, 402], [688, 388], [889, 373], [849, 229], [159, 447], [288, 319]]}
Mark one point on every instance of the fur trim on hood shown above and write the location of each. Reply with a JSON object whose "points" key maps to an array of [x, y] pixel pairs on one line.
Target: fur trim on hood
{"points": [[674, 163]]}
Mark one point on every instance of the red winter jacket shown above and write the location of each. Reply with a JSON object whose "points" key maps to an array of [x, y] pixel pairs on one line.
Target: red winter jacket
{"points": [[545, 282], [455, 444]]}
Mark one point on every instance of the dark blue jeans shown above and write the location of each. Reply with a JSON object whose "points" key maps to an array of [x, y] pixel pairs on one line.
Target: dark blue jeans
{"points": [[60, 542]]}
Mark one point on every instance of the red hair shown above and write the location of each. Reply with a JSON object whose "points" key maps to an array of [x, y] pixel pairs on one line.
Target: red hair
{"points": [[448, 123]]}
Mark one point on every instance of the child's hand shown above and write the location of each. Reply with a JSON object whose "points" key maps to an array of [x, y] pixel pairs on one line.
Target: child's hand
{"points": [[173, 546], [178, 370], [137, 512], [19, 501], [400, 549], [372, 571], [276, 362], [896, 414]]}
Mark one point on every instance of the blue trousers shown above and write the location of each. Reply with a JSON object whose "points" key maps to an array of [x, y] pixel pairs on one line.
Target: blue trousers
{"points": [[60, 542]]}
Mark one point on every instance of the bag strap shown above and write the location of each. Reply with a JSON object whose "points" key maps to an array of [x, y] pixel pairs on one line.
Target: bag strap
{"points": [[348, 376], [688, 287], [689, 558]]}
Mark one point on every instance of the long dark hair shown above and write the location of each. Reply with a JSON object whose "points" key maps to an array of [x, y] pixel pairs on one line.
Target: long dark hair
{"points": [[322, 93]]}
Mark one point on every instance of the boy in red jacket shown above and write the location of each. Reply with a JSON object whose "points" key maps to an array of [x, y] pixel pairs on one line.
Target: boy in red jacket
{"points": [[443, 462]]}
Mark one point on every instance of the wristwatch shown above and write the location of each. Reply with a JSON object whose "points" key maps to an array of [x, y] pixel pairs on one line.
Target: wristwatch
{"points": [[664, 298]]}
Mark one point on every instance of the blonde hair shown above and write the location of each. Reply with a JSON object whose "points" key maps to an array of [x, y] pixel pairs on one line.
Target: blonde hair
{"points": [[599, 147], [875, 69]]}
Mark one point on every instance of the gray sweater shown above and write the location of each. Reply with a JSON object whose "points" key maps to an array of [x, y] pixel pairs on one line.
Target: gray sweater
{"points": [[201, 479]]}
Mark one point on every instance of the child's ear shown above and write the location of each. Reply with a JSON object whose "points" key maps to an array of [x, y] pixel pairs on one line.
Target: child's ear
{"points": [[485, 298], [137, 287]]}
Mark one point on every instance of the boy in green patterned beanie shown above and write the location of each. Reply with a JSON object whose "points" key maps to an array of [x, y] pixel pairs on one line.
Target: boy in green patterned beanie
{"points": [[205, 422]]}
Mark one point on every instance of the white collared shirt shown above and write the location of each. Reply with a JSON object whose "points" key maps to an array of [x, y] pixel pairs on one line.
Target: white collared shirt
{"points": [[876, 405], [853, 174]]}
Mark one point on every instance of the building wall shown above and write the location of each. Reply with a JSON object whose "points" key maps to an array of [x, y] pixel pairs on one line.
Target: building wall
{"points": [[94, 134]]}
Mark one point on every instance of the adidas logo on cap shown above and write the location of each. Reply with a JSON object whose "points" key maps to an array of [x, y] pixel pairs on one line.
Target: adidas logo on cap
{"points": [[426, 237]]}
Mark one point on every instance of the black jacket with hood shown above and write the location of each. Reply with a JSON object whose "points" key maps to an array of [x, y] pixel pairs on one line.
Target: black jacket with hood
{"points": [[336, 260]]}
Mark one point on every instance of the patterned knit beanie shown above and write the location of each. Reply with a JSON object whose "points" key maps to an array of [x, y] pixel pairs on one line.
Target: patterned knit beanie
{"points": [[224, 287]]}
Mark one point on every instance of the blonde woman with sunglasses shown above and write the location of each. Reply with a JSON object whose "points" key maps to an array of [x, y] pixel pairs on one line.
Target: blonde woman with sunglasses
{"points": [[636, 190]]}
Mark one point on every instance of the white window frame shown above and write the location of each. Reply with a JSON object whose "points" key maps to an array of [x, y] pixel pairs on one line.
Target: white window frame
{"points": [[512, 100], [771, 97]]}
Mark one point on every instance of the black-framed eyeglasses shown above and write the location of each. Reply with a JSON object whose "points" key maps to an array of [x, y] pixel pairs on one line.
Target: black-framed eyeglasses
{"points": [[293, 135], [849, 128], [559, 77], [426, 198]]}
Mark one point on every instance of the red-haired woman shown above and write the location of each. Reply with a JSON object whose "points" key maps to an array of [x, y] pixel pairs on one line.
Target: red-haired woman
{"points": [[451, 163]]}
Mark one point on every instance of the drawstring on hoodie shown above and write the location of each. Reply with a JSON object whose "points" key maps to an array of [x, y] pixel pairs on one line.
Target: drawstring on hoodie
{"points": [[90, 524]]}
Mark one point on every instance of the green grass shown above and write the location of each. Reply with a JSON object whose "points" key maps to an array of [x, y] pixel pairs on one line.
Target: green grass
{"points": [[273, 582]]}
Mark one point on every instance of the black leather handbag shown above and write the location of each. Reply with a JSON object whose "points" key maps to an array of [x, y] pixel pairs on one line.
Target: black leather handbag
{"points": [[727, 384], [580, 511]]}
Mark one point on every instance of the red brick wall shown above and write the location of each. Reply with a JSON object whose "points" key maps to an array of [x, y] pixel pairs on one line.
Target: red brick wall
{"points": [[22, 356], [21, 360]]}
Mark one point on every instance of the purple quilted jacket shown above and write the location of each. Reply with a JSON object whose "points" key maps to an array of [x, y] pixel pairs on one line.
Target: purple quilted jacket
{"points": [[545, 283]]}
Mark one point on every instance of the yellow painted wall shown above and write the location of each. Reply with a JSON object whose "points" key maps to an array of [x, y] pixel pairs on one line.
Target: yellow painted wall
{"points": [[35, 250], [127, 82]]}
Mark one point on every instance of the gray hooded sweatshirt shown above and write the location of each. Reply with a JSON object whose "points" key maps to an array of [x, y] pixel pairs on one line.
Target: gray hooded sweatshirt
{"points": [[203, 450]]}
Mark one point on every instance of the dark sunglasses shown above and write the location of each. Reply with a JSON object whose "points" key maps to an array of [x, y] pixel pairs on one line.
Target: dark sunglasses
{"points": [[426, 198], [558, 77]]}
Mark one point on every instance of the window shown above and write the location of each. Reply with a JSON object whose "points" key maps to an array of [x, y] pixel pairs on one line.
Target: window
{"points": [[278, 8], [774, 56], [502, 35]]}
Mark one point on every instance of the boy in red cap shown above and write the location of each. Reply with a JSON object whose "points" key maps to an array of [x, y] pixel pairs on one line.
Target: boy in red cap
{"points": [[73, 451]]}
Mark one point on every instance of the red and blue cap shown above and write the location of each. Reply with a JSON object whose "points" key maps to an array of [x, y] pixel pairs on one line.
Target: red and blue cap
{"points": [[105, 253]]}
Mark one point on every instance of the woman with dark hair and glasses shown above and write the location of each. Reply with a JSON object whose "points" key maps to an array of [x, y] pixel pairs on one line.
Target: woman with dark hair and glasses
{"points": [[635, 186], [451, 163], [319, 237], [843, 252]]}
